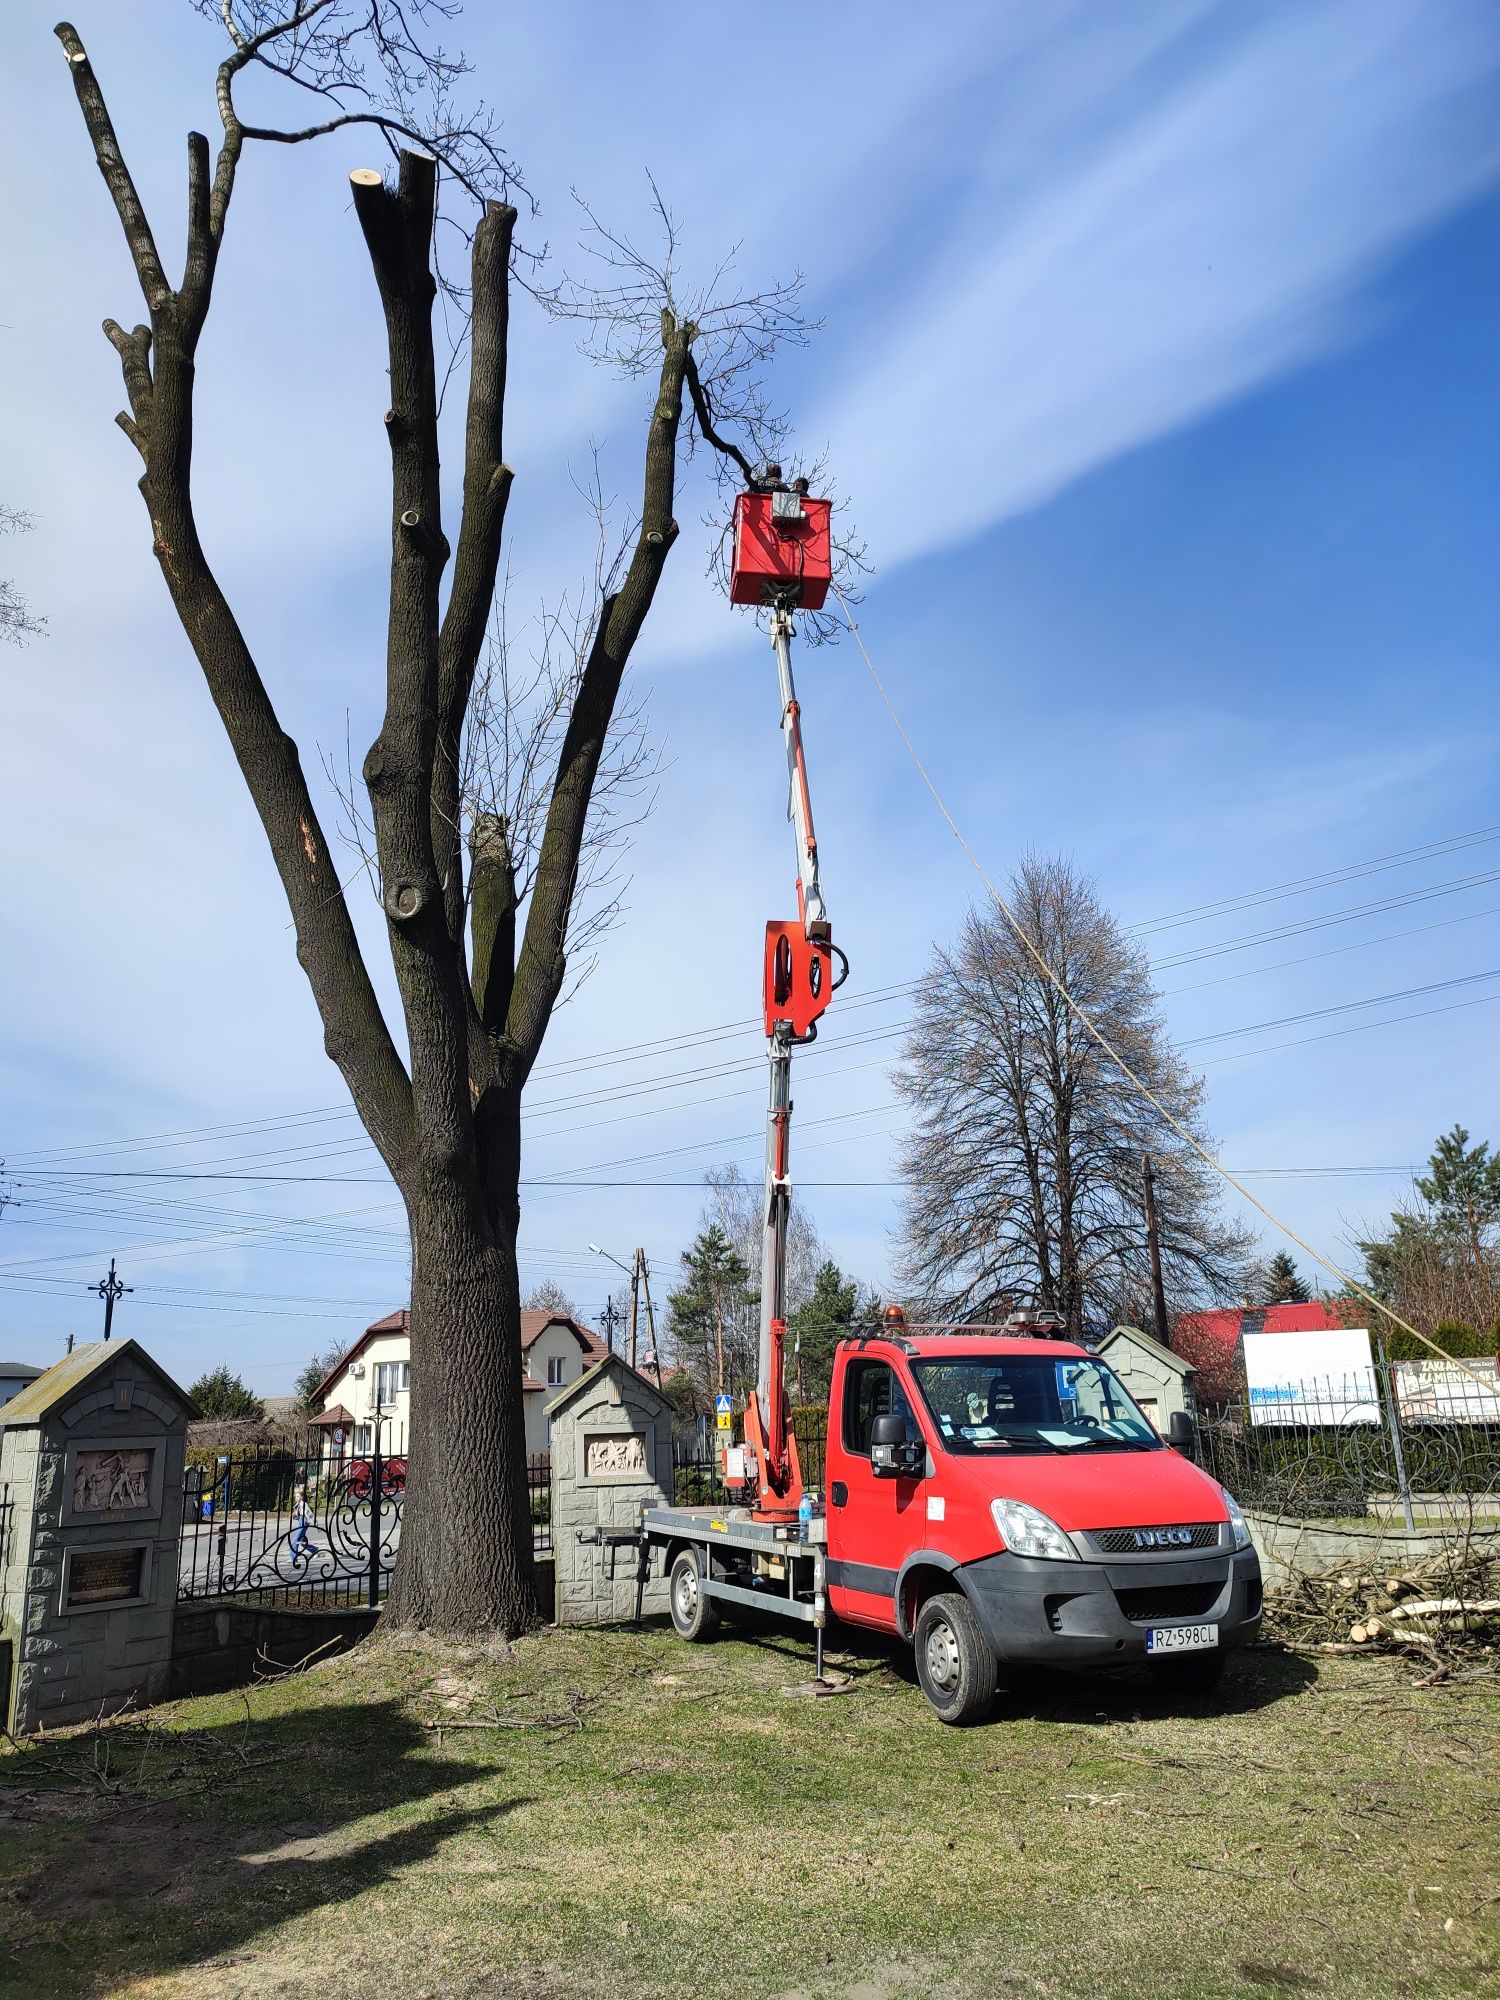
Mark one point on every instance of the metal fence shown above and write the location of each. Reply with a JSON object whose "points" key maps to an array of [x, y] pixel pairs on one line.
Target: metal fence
{"points": [[1386, 1446], [299, 1521], [697, 1474], [1379, 1445], [539, 1498], [305, 1521]]}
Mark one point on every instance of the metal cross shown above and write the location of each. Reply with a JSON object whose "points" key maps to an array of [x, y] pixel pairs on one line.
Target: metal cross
{"points": [[110, 1289], [611, 1317]]}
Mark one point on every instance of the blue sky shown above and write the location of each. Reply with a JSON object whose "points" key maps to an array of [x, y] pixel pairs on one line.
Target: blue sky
{"points": [[1157, 365]]}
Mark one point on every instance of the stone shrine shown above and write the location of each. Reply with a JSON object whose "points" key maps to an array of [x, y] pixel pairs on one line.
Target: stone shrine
{"points": [[611, 1456], [91, 1464]]}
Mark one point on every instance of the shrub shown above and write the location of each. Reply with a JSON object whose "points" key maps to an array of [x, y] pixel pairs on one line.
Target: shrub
{"points": [[1454, 1336]]}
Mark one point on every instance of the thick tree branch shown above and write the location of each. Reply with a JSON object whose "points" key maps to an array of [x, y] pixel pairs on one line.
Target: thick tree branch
{"points": [[493, 899], [706, 423], [487, 483], [397, 227], [398, 771], [542, 963], [111, 162], [157, 364]]}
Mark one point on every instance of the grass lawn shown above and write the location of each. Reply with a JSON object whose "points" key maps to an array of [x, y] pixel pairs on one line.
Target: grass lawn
{"points": [[687, 1828]]}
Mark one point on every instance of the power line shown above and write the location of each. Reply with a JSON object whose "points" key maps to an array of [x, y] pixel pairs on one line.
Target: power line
{"points": [[1343, 1007], [882, 996], [1360, 1028], [209, 1171], [1405, 857], [1086, 1021]]}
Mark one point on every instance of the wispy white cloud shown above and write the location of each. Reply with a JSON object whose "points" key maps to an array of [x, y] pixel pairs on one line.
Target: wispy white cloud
{"points": [[1174, 246]]}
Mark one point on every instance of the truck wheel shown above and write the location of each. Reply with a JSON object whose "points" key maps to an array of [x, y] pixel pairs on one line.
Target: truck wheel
{"points": [[1189, 1673], [954, 1661], [695, 1616]]}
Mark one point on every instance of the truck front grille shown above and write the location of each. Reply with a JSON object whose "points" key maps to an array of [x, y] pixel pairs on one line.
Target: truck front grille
{"points": [[1137, 1541], [1170, 1600]]}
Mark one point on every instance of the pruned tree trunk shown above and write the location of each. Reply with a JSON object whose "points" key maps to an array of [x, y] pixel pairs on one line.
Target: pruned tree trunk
{"points": [[466, 1535], [478, 974]]}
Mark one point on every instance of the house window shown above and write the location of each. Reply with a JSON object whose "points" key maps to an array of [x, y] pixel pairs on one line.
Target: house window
{"points": [[555, 1376], [361, 1437], [391, 1378]]}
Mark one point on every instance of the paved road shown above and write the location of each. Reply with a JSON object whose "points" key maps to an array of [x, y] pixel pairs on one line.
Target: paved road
{"points": [[256, 1553]]}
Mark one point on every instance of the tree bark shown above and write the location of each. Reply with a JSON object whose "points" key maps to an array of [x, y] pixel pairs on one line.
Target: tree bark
{"points": [[466, 1540]]}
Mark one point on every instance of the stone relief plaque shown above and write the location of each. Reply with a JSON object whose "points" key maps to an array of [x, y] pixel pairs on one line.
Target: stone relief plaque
{"points": [[620, 1457], [112, 1481], [104, 1576]]}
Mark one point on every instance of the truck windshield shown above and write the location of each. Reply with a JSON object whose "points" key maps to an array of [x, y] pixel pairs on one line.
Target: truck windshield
{"points": [[1031, 1403]]}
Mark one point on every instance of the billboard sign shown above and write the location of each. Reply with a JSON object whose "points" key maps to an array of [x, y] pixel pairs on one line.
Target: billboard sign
{"points": [[1446, 1392], [1311, 1378]]}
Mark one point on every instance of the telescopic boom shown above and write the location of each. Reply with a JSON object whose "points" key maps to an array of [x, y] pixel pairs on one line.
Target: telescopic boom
{"points": [[782, 548]]}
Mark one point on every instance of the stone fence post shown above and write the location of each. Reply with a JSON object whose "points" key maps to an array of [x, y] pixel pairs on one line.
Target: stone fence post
{"points": [[92, 1457], [611, 1456]]}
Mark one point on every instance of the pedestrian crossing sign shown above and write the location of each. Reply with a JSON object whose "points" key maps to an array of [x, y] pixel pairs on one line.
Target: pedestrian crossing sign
{"points": [[723, 1407]]}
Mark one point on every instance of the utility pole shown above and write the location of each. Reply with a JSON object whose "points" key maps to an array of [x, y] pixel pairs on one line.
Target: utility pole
{"points": [[611, 1317], [1153, 1242], [635, 1298], [719, 1333], [645, 1270], [110, 1289]]}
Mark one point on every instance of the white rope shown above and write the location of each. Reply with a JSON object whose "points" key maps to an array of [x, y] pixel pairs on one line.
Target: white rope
{"points": [[1351, 1284]]}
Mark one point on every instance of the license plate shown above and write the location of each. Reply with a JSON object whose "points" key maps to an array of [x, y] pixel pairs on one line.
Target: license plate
{"points": [[1181, 1638]]}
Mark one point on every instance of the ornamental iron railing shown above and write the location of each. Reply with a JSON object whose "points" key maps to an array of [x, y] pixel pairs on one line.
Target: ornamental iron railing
{"points": [[306, 1520], [1400, 1442]]}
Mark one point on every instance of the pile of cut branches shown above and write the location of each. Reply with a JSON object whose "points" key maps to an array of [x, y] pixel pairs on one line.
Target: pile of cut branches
{"points": [[1440, 1607], [133, 1756]]}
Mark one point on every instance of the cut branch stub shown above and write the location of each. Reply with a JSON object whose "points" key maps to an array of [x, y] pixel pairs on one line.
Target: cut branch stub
{"points": [[404, 900]]}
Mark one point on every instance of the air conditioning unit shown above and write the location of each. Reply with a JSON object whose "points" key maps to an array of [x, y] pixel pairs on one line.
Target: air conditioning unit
{"points": [[358, 1371]]}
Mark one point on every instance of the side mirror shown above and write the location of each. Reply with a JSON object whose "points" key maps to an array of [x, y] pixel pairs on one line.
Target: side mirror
{"points": [[892, 1454], [1182, 1432]]}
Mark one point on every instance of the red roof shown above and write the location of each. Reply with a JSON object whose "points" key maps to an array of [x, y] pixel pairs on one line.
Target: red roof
{"points": [[1210, 1341], [533, 1326]]}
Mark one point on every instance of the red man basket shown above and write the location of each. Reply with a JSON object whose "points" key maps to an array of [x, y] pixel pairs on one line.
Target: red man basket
{"points": [[783, 550]]}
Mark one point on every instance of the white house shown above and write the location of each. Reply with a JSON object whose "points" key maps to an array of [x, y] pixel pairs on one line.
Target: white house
{"points": [[376, 1373]]}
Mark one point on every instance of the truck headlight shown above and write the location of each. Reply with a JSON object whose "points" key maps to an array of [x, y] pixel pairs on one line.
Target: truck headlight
{"points": [[1239, 1527], [1026, 1531]]}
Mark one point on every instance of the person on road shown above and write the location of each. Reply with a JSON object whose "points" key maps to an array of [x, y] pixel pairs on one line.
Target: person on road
{"points": [[301, 1549]]}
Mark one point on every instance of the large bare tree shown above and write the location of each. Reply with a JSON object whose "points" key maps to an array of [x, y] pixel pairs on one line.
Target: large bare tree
{"points": [[1024, 1178], [477, 911]]}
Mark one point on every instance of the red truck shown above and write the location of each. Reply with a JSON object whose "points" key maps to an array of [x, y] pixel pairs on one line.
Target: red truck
{"points": [[991, 1497], [993, 1501]]}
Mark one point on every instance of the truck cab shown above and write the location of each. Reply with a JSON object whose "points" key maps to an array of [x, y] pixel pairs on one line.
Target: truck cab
{"points": [[1002, 1501]]}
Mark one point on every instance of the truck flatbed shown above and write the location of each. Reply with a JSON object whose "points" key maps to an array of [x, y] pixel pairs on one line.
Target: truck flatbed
{"points": [[729, 1539]]}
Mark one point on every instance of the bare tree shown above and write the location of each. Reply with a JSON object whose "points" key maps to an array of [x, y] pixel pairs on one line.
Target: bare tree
{"points": [[18, 622], [480, 951], [1024, 1178], [732, 1223], [549, 1296]]}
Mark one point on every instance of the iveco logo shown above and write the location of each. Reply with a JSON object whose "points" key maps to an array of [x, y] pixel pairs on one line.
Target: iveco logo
{"points": [[1164, 1538]]}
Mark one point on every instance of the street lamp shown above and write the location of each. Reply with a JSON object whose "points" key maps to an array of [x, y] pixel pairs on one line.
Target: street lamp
{"points": [[609, 1315], [637, 1274], [628, 1269]]}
